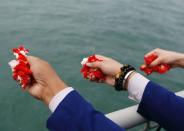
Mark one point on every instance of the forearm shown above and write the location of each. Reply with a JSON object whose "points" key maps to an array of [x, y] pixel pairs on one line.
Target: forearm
{"points": [[128, 79], [156, 102], [163, 106], [180, 60], [75, 113], [135, 85]]}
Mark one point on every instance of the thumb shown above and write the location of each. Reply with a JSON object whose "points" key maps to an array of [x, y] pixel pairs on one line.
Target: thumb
{"points": [[156, 62], [94, 64], [32, 59]]}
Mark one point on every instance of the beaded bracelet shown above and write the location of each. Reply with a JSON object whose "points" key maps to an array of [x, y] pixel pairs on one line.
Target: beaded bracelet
{"points": [[121, 77]]}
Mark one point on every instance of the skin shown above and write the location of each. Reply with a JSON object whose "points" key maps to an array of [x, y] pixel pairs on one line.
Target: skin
{"points": [[174, 59], [108, 66], [47, 83], [110, 69]]}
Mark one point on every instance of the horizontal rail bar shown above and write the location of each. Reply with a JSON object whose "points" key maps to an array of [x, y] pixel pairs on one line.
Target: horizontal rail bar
{"points": [[128, 117]]}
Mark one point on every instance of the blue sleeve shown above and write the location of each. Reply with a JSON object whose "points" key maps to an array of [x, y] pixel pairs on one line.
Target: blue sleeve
{"points": [[162, 106], [75, 114]]}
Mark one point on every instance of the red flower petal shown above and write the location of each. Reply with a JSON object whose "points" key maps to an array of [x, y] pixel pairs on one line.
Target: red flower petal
{"points": [[22, 70], [93, 73], [163, 68], [149, 59]]}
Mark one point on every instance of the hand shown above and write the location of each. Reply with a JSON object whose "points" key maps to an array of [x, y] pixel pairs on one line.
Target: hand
{"points": [[109, 67], [46, 82], [171, 58]]}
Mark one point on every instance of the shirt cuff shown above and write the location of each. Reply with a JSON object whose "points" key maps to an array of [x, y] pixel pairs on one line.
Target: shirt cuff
{"points": [[136, 87], [58, 98]]}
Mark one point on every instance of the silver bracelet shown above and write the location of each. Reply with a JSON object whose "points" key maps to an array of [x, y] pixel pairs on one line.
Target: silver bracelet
{"points": [[126, 77]]}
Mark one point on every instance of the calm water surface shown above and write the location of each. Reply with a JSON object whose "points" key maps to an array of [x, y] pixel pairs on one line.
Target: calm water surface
{"points": [[65, 31]]}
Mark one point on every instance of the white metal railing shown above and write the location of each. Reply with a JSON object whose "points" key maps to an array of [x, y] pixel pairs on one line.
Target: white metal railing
{"points": [[129, 118]]}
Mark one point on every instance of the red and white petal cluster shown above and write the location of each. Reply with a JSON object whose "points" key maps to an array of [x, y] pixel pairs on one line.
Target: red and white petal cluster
{"points": [[92, 73], [161, 69], [21, 67]]}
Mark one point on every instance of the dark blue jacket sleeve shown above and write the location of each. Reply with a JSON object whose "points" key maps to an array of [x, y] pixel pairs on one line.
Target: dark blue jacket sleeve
{"points": [[75, 114], [162, 106]]}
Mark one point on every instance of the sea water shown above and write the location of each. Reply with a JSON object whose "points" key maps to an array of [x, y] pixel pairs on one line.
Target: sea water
{"points": [[64, 31]]}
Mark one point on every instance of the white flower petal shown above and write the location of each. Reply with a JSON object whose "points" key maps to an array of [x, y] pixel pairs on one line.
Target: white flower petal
{"points": [[13, 63], [84, 61]]}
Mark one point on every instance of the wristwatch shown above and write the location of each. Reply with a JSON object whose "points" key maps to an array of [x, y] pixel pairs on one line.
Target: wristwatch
{"points": [[122, 76]]}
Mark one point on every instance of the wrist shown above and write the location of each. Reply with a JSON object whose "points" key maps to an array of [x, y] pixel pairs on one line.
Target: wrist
{"points": [[47, 97], [121, 78], [118, 69], [180, 60], [128, 79], [51, 91]]}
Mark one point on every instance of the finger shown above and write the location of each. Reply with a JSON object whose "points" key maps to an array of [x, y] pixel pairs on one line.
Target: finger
{"points": [[156, 62], [94, 64], [151, 52], [34, 65], [32, 59], [101, 57]]}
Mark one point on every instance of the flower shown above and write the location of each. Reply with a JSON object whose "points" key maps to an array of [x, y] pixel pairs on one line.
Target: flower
{"points": [[162, 68], [21, 67], [92, 73]]}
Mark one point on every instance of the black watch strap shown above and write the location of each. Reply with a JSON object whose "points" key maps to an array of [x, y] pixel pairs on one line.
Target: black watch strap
{"points": [[120, 78]]}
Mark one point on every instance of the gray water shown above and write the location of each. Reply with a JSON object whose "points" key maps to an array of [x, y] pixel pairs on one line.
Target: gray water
{"points": [[64, 31]]}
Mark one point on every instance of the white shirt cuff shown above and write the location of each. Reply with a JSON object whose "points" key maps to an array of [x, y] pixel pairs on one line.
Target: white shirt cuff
{"points": [[58, 98], [136, 87]]}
